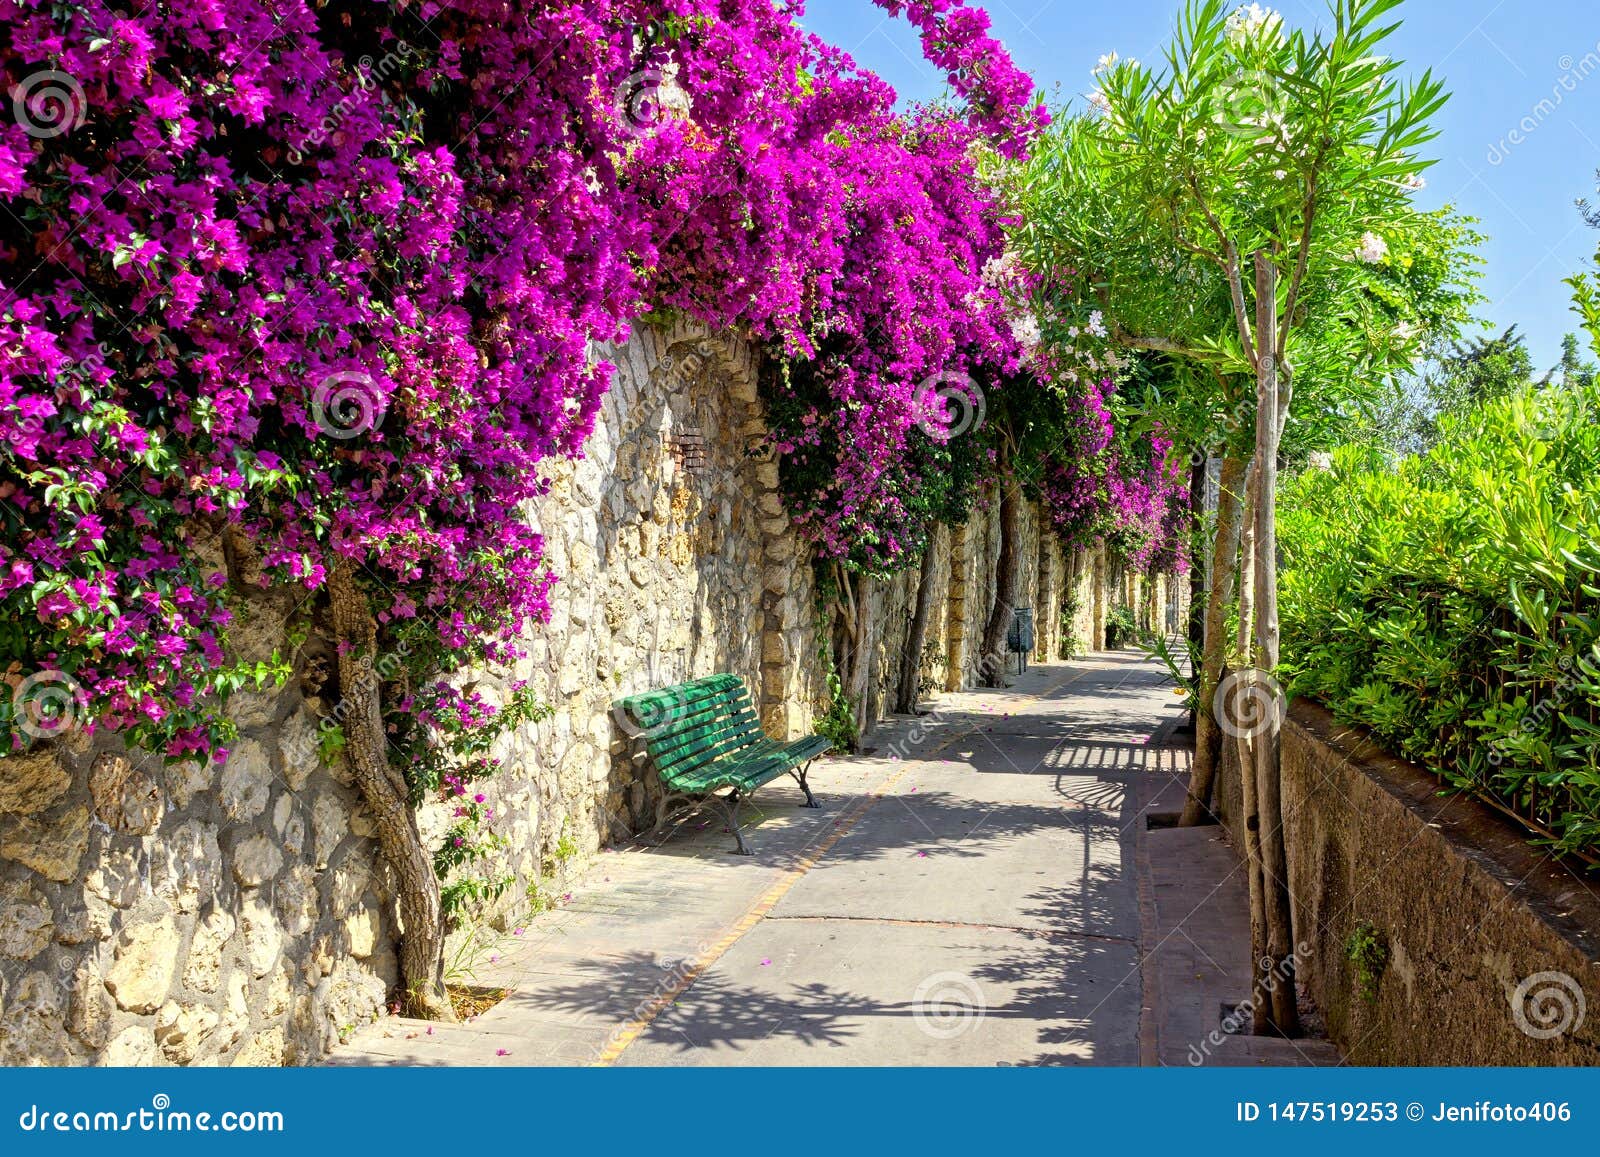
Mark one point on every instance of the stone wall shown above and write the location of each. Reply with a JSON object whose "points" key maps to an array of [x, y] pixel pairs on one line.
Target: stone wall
{"points": [[1482, 935], [156, 914]]}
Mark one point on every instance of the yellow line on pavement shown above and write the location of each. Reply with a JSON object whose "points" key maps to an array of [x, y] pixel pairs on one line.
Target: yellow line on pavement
{"points": [[619, 1041]]}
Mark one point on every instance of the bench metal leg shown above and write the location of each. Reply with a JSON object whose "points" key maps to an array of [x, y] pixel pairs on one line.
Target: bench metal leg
{"points": [[729, 806], [666, 813], [800, 774]]}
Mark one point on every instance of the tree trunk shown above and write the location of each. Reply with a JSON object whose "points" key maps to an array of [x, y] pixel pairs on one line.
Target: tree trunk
{"points": [[385, 792], [1271, 410], [1195, 629], [1236, 710], [1007, 578], [861, 674], [911, 661], [1224, 566]]}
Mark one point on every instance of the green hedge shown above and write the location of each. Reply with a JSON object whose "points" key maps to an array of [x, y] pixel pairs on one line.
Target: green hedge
{"points": [[1449, 603]]}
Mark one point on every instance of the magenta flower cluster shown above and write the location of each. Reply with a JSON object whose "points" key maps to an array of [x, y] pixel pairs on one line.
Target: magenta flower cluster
{"points": [[268, 267], [1128, 492]]}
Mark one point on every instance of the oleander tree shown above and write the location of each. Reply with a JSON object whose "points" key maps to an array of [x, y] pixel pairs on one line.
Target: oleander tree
{"points": [[1247, 208]]}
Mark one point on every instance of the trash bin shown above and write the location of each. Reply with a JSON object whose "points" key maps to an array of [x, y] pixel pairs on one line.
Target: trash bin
{"points": [[1019, 639]]}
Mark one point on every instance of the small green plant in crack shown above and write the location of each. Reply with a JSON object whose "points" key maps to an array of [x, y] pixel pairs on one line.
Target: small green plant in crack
{"points": [[540, 898], [331, 743], [566, 848], [1369, 952]]}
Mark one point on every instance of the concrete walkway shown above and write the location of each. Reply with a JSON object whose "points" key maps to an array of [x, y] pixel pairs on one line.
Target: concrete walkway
{"points": [[969, 895]]}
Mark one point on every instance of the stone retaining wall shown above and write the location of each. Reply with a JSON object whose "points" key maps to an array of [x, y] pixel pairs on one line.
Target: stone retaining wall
{"points": [[1479, 935]]}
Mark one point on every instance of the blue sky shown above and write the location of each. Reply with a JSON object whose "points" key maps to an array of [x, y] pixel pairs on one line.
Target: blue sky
{"points": [[1520, 138]]}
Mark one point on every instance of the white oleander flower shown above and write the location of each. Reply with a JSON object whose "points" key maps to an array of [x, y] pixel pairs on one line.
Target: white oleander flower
{"points": [[1110, 60], [1251, 20], [1372, 249], [1025, 329]]}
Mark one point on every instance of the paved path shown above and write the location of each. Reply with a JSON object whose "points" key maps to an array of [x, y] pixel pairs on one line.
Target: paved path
{"points": [[969, 895]]}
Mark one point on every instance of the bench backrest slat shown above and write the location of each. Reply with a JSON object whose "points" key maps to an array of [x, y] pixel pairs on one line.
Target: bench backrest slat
{"points": [[727, 710], [692, 724]]}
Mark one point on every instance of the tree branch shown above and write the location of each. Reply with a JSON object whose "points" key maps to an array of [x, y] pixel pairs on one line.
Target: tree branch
{"points": [[1241, 313]]}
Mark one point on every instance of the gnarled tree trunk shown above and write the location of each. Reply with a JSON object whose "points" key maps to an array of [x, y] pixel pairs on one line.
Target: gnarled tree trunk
{"points": [[384, 789], [1008, 576], [911, 661]]}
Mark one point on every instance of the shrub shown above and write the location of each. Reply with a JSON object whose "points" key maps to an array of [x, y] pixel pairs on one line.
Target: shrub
{"points": [[1448, 602]]}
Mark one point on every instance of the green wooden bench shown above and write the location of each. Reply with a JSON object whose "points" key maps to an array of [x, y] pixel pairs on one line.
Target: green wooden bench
{"points": [[703, 736]]}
